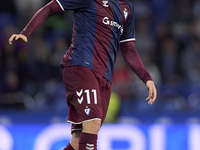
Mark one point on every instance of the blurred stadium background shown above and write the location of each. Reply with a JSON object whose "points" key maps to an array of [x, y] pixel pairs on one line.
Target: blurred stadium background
{"points": [[33, 110]]}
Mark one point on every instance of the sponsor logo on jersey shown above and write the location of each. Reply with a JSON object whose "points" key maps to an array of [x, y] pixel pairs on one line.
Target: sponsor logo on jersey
{"points": [[105, 3], [125, 13], [107, 21]]}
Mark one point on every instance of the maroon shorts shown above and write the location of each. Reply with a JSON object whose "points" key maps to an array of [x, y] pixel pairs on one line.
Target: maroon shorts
{"points": [[87, 93]]}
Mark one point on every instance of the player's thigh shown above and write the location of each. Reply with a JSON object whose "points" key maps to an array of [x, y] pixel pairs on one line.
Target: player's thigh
{"points": [[92, 126]]}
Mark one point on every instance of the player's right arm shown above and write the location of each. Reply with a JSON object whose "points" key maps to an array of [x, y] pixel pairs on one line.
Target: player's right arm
{"points": [[18, 37], [45, 12], [40, 16]]}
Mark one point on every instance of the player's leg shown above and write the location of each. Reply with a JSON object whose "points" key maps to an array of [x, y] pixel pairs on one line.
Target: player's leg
{"points": [[69, 147], [85, 103], [92, 126], [88, 138], [75, 139], [74, 143]]}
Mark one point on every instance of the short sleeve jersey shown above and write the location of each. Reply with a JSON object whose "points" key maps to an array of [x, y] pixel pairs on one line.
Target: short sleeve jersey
{"points": [[99, 27]]}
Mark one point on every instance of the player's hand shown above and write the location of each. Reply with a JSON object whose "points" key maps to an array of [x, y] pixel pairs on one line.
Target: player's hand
{"points": [[152, 92], [18, 37]]}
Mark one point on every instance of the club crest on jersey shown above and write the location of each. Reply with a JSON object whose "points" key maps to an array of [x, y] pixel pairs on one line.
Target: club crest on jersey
{"points": [[87, 111], [125, 13], [105, 3]]}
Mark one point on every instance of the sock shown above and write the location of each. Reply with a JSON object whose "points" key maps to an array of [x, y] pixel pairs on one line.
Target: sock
{"points": [[69, 147], [88, 141]]}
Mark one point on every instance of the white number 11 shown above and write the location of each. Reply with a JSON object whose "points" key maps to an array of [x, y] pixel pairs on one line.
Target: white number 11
{"points": [[88, 96]]}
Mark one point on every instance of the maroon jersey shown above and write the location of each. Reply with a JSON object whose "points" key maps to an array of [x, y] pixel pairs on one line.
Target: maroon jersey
{"points": [[99, 27]]}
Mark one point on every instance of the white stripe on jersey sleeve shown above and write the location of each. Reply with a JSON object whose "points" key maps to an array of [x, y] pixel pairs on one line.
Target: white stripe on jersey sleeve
{"points": [[60, 5], [127, 40]]}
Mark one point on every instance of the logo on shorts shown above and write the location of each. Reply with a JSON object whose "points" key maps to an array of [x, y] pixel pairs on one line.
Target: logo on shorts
{"points": [[89, 146], [87, 110], [80, 100]]}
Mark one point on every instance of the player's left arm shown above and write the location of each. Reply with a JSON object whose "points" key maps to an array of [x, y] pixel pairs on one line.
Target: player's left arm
{"points": [[40, 16], [134, 61]]}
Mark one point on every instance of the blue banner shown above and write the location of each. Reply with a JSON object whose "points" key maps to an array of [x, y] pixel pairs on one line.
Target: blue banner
{"points": [[111, 137]]}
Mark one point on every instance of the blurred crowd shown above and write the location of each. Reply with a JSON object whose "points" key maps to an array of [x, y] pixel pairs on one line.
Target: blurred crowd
{"points": [[167, 40]]}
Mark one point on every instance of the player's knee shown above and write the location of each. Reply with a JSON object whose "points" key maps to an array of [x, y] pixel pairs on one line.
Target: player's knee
{"points": [[92, 126]]}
